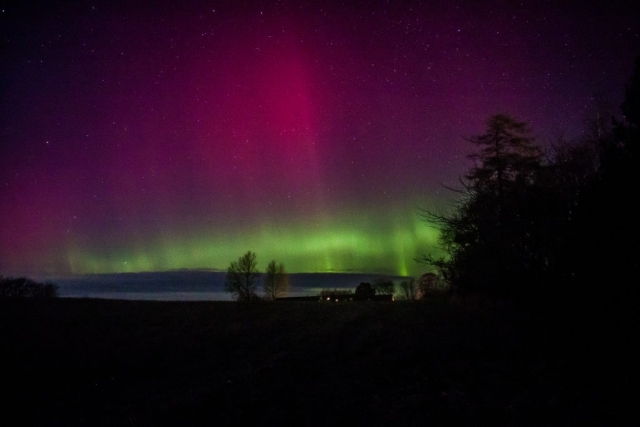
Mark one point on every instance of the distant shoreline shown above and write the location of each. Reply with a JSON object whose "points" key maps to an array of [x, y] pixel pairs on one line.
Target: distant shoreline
{"points": [[194, 285]]}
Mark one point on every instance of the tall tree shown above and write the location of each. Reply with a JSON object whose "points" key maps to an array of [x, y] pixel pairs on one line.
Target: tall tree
{"points": [[506, 155], [276, 281], [606, 218], [488, 235], [242, 277]]}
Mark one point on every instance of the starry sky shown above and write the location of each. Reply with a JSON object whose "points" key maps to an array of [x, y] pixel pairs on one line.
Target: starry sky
{"points": [[151, 136]]}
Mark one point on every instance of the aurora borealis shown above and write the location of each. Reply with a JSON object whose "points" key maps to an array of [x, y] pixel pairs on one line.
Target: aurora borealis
{"points": [[148, 136]]}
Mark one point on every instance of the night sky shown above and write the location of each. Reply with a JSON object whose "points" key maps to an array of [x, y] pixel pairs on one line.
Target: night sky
{"points": [[138, 137]]}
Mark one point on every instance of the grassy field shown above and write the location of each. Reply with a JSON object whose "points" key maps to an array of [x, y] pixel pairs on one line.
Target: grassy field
{"points": [[141, 363]]}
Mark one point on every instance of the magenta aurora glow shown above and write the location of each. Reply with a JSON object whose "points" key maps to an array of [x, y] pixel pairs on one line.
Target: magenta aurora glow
{"points": [[146, 138]]}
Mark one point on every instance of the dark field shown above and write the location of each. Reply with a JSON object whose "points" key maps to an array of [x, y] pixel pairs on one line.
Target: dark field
{"points": [[133, 363]]}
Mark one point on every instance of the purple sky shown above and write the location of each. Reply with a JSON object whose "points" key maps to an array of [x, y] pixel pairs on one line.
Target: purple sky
{"points": [[180, 135]]}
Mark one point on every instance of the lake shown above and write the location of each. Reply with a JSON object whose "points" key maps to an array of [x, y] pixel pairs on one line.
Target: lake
{"points": [[194, 285]]}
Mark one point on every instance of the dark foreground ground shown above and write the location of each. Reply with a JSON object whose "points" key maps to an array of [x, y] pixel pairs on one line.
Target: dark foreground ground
{"points": [[103, 362]]}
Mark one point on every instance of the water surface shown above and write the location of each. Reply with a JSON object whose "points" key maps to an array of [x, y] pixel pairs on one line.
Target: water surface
{"points": [[194, 285]]}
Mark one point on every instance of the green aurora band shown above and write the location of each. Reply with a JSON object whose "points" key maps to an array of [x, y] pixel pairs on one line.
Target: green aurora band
{"points": [[375, 243]]}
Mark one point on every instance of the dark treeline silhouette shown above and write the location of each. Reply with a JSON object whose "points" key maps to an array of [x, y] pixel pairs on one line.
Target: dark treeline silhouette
{"points": [[541, 228], [23, 287], [605, 231]]}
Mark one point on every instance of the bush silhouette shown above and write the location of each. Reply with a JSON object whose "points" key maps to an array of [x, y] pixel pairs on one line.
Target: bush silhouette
{"points": [[23, 287]]}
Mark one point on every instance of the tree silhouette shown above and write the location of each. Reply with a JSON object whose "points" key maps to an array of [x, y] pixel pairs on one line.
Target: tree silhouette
{"points": [[23, 287], [409, 289], [506, 154], [490, 235], [606, 213], [242, 276], [382, 286], [276, 281], [553, 229]]}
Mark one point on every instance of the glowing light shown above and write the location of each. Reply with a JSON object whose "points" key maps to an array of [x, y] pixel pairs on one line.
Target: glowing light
{"points": [[291, 135], [339, 247]]}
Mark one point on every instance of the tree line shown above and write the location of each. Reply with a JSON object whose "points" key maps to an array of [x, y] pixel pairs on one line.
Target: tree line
{"points": [[529, 223], [22, 287], [243, 279]]}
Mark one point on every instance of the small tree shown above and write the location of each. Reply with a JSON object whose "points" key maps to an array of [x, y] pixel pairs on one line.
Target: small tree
{"points": [[242, 276], [276, 281], [383, 286], [409, 289]]}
